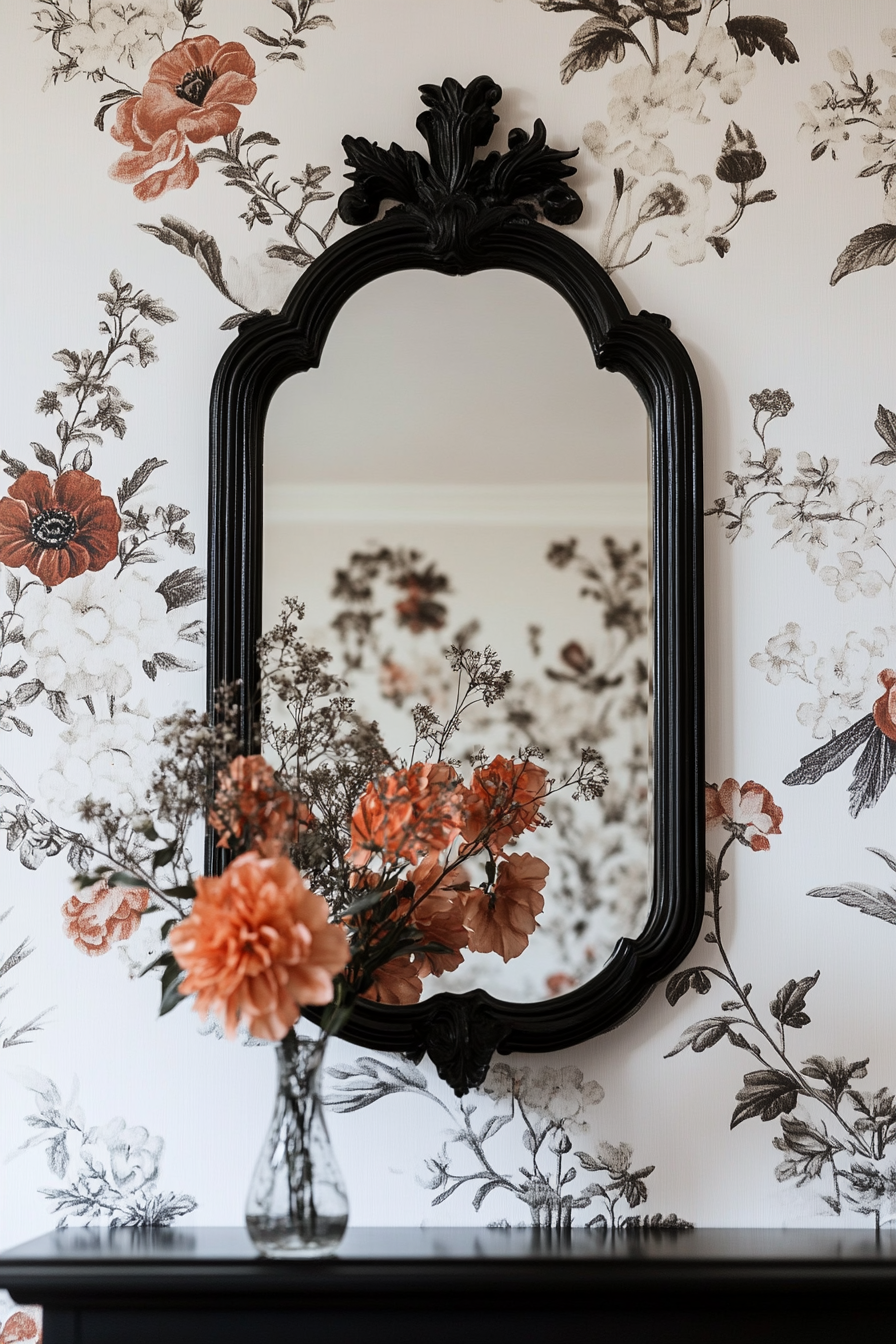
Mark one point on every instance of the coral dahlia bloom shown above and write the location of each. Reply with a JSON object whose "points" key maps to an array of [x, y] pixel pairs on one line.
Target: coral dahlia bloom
{"points": [[749, 812], [257, 945], [406, 815], [103, 915], [193, 93], [58, 529], [503, 801], [503, 922]]}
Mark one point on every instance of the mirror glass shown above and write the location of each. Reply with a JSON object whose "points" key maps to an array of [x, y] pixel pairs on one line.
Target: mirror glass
{"points": [[457, 471]]}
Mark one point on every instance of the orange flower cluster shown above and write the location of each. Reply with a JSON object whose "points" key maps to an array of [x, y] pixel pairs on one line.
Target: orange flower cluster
{"points": [[413, 816], [407, 814], [257, 946], [504, 799], [104, 915], [251, 811]]}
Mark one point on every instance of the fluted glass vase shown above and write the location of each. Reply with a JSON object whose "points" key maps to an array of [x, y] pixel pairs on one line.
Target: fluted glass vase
{"points": [[297, 1205]]}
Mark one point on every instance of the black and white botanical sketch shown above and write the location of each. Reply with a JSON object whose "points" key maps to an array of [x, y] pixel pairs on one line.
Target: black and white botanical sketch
{"points": [[195, 90], [681, 57], [94, 613], [106, 1174], [864, 896], [833, 1134], [598, 1186], [858, 108], [10, 1034], [820, 513]]}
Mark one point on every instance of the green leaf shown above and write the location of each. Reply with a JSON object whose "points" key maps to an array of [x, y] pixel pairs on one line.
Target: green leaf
{"points": [[120, 879], [171, 995]]}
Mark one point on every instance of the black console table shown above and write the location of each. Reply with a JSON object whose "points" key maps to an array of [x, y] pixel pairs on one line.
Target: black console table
{"points": [[458, 1286]]}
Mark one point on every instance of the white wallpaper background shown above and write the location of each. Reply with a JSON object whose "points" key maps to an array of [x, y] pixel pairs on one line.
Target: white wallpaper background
{"points": [[148, 1118]]}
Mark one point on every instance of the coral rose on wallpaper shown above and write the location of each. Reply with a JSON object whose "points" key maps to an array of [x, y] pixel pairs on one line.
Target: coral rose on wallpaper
{"points": [[57, 530], [108, 915], [257, 945], [749, 812], [22, 1327], [193, 93]]}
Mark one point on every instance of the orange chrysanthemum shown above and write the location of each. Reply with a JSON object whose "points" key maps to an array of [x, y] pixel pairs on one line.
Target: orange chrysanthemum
{"points": [[104, 915], [503, 922], [407, 815], [503, 800], [250, 808], [258, 945]]}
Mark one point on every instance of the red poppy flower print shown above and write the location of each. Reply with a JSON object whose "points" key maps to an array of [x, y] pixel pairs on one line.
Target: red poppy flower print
{"points": [[194, 92], [57, 530]]}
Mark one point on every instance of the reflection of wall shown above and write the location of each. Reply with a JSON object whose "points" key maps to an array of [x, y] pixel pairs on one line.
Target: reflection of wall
{"points": [[790, 654]]}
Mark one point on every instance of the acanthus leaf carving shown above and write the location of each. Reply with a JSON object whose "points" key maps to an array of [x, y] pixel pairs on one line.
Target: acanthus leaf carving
{"points": [[457, 197]]}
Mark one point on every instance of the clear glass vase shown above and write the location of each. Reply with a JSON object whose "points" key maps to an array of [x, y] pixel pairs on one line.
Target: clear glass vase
{"points": [[297, 1204]]}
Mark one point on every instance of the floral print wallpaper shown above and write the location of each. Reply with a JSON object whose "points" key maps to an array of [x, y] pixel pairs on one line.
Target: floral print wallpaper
{"points": [[176, 169]]}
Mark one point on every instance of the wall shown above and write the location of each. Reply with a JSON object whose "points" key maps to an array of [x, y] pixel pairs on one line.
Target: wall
{"points": [[103, 1105]]}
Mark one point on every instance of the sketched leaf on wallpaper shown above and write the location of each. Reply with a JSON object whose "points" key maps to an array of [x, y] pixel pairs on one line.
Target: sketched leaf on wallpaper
{"points": [[196, 90], [652, 197], [833, 1136], [106, 1174], [861, 896], [21, 1035], [547, 1107], [834, 108]]}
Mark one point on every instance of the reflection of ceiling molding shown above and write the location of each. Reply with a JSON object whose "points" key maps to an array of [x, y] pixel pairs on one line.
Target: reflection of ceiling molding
{"points": [[586, 504]]}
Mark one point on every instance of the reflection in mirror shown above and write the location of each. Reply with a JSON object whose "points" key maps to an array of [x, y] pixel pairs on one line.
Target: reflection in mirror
{"points": [[458, 472]]}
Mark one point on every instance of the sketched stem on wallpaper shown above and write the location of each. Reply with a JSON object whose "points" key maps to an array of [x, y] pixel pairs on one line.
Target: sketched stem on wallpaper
{"points": [[831, 1132], [547, 1107], [105, 1172]]}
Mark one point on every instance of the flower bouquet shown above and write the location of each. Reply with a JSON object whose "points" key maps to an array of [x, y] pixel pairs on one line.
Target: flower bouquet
{"points": [[349, 873]]}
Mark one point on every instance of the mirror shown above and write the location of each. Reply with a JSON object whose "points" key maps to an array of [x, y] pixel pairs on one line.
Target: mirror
{"points": [[453, 394], [421, 494]]}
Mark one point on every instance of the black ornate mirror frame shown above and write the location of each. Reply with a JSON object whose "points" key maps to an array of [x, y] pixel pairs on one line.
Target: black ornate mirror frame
{"points": [[457, 214]]}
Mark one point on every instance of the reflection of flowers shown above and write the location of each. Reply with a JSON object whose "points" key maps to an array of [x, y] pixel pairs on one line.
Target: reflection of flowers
{"points": [[192, 93], [121, 31], [749, 813], [257, 945], [57, 530], [107, 915], [504, 922]]}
